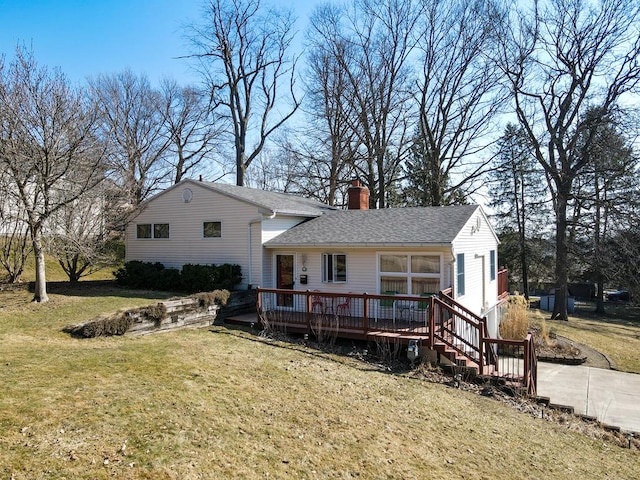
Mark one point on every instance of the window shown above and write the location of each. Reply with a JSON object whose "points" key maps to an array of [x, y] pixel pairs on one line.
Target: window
{"points": [[492, 264], [159, 230], [143, 230], [334, 268], [212, 229], [409, 274], [460, 272]]}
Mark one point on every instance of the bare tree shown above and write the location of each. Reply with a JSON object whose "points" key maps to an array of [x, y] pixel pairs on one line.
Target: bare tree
{"points": [[243, 50], [330, 139], [133, 124], [48, 146], [562, 58], [81, 237], [371, 43], [458, 93], [191, 128], [15, 241]]}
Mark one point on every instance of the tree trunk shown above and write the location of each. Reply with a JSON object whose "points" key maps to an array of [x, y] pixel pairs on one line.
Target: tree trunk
{"points": [[560, 306], [525, 270], [600, 295], [40, 291]]}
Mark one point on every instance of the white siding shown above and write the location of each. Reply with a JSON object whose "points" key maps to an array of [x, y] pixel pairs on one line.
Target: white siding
{"points": [[271, 228], [475, 241], [187, 244], [362, 267]]}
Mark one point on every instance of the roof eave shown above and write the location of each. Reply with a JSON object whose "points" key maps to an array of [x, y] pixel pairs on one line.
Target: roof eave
{"points": [[359, 245]]}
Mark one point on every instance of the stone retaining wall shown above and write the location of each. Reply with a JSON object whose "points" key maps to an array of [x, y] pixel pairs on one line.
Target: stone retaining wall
{"points": [[181, 313]]}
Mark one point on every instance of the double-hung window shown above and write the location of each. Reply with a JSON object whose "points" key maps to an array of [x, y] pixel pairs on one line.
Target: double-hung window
{"points": [[334, 268], [152, 230], [413, 274]]}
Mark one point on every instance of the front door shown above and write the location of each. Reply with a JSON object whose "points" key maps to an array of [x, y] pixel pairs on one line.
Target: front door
{"points": [[285, 278]]}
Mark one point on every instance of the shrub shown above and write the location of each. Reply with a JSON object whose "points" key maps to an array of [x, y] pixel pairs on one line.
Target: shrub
{"points": [[228, 276], [137, 274], [168, 279], [206, 299], [156, 312], [198, 278], [117, 324], [192, 278], [515, 325]]}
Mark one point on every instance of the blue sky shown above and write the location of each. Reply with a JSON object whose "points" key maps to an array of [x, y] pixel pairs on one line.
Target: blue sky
{"points": [[86, 38]]}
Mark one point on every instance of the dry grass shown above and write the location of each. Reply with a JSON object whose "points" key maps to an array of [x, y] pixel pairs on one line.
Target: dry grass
{"points": [[515, 325], [616, 334], [220, 403]]}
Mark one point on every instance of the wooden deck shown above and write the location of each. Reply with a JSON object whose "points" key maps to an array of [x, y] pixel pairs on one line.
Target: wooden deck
{"points": [[435, 321]]}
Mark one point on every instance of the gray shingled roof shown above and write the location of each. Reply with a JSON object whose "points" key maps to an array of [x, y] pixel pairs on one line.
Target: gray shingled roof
{"points": [[277, 202], [391, 226]]}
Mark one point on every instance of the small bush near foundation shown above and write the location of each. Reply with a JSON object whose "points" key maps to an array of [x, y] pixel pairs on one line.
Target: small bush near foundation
{"points": [[117, 324], [206, 299], [515, 325]]}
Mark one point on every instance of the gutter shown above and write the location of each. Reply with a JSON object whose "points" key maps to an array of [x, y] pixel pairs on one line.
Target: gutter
{"points": [[355, 245]]}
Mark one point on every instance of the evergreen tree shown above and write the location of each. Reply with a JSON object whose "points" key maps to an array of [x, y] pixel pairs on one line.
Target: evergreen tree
{"points": [[518, 196]]}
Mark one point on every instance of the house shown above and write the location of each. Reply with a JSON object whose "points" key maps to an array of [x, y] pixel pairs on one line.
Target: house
{"points": [[287, 242], [194, 222], [426, 278]]}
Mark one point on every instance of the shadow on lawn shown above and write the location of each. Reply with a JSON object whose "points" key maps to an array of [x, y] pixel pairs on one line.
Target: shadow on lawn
{"points": [[100, 288], [617, 313]]}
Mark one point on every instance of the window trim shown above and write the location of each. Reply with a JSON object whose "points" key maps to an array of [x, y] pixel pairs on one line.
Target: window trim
{"points": [[168, 231], [409, 275], [460, 274], [139, 225], [152, 231], [203, 229], [334, 271]]}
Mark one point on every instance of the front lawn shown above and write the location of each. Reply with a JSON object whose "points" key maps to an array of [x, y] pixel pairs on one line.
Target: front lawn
{"points": [[222, 403], [616, 334]]}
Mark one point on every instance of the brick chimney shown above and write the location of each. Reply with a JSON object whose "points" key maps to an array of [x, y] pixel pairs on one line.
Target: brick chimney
{"points": [[358, 196]]}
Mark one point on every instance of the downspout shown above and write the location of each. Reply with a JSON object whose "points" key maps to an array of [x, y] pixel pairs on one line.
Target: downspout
{"points": [[453, 277], [263, 216], [484, 283]]}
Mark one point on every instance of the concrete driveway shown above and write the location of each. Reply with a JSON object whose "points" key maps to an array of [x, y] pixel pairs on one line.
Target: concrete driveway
{"points": [[612, 397]]}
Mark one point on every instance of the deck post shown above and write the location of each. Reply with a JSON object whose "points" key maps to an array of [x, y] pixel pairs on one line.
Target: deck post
{"points": [[365, 314], [432, 321], [309, 312], [483, 327], [527, 366]]}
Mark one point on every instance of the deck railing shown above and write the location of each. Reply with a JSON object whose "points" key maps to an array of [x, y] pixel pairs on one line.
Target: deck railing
{"points": [[503, 283], [517, 362], [348, 314], [438, 319], [460, 330]]}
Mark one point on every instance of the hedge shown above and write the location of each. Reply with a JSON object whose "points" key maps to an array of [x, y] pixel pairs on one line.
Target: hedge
{"points": [[191, 279]]}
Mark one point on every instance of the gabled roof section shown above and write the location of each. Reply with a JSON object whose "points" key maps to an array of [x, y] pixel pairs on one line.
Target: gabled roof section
{"points": [[386, 227], [281, 203]]}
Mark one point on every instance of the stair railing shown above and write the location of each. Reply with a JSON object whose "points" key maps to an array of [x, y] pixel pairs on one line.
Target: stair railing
{"points": [[459, 329]]}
